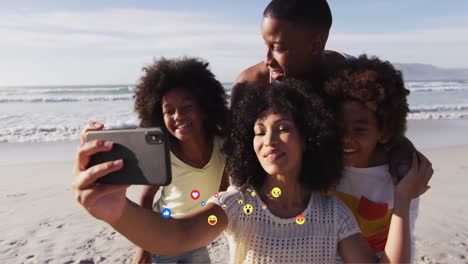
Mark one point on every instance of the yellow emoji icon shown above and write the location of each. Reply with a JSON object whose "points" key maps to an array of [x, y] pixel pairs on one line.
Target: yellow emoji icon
{"points": [[253, 194], [240, 201], [264, 206], [212, 220], [300, 219], [223, 206], [248, 209], [276, 192]]}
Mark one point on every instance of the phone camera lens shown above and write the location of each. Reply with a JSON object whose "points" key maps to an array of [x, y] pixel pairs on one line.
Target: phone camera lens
{"points": [[154, 138]]}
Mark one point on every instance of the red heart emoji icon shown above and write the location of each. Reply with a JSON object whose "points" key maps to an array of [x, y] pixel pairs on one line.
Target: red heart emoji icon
{"points": [[195, 194]]}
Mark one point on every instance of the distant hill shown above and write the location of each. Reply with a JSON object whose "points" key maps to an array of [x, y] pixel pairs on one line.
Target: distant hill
{"points": [[428, 72]]}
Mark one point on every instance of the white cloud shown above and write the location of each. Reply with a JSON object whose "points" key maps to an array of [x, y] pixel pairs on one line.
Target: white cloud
{"points": [[121, 29], [112, 45], [131, 21], [70, 40]]}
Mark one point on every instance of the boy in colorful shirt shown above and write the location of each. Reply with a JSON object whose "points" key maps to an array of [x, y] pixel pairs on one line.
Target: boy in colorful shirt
{"points": [[372, 109]]}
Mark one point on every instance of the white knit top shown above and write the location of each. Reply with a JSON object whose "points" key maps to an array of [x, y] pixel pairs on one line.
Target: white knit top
{"points": [[261, 237]]}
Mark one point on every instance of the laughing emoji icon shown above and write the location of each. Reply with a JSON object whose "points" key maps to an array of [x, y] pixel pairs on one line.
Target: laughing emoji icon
{"points": [[212, 220], [300, 219]]}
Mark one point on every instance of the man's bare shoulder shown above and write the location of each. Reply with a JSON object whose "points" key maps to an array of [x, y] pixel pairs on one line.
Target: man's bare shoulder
{"points": [[257, 74]]}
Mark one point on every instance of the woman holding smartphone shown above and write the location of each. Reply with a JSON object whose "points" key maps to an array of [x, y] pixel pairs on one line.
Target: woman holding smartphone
{"points": [[184, 98], [283, 152]]}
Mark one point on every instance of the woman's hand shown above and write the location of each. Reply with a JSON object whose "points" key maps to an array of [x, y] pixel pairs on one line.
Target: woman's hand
{"points": [[103, 201], [415, 182]]}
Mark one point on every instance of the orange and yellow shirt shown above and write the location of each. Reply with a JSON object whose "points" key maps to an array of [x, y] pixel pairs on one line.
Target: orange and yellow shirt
{"points": [[369, 194]]}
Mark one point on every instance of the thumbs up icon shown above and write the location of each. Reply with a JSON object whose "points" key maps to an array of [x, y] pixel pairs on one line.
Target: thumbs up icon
{"points": [[166, 213]]}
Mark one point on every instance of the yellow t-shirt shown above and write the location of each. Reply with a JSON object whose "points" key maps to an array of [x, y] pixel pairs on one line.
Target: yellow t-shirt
{"points": [[185, 178]]}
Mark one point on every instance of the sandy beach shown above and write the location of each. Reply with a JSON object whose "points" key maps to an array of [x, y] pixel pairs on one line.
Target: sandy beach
{"points": [[42, 223]]}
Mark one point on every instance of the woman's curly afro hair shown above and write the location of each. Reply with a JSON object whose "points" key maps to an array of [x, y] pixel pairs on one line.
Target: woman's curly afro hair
{"points": [[189, 73], [378, 86], [322, 159]]}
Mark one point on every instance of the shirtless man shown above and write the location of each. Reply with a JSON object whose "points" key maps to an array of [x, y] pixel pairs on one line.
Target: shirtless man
{"points": [[295, 34]]}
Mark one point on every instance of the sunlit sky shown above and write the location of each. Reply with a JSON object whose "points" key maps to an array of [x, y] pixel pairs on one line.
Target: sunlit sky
{"points": [[108, 42]]}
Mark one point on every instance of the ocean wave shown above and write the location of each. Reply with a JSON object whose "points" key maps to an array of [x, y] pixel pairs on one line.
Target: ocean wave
{"points": [[439, 111], [65, 90], [66, 99], [71, 131], [439, 89], [24, 119], [439, 108], [447, 86], [435, 84], [437, 115], [50, 133]]}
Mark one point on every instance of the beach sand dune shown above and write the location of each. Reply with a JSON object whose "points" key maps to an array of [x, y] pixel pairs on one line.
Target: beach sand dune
{"points": [[42, 223]]}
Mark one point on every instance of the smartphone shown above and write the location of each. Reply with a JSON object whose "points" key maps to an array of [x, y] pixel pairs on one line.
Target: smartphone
{"points": [[144, 151]]}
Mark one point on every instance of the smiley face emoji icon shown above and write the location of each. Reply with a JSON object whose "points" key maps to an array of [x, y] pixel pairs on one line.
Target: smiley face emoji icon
{"points": [[223, 206], [212, 220], [240, 201], [253, 194], [248, 209], [300, 219], [276, 192]]}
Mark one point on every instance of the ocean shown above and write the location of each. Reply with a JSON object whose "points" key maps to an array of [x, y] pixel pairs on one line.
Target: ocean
{"points": [[58, 113]]}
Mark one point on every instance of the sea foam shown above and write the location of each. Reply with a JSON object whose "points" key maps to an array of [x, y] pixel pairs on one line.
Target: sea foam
{"points": [[42, 114]]}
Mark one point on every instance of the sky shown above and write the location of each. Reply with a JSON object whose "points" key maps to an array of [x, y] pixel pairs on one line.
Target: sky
{"points": [[59, 42]]}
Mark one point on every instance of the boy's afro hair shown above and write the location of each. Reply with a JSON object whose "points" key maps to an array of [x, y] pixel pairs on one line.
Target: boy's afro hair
{"points": [[376, 84]]}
